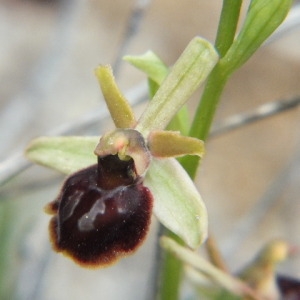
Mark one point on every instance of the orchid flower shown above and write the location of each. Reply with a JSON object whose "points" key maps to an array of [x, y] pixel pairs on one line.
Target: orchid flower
{"points": [[104, 208]]}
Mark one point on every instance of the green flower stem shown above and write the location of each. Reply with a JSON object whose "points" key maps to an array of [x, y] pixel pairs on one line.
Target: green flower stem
{"points": [[211, 96], [172, 267], [171, 273], [236, 52], [215, 82], [227, 25], [262, 19]]}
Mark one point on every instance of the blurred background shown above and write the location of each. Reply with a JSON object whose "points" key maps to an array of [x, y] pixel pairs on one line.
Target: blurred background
{"points": [[249, 179]]}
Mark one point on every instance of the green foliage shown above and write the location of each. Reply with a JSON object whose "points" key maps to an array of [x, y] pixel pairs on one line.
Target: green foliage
{"points": [[262, 18]]}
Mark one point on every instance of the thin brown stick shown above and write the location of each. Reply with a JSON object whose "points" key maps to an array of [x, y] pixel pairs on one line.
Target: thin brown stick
{"points": [[214, 254]]}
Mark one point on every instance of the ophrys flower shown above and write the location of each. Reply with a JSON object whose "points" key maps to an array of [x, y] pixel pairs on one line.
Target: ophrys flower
{"points": [[103, 211]]}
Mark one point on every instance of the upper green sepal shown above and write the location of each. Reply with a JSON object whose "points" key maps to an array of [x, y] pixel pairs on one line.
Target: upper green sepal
{"points": [[157, 71], [189, 71]]}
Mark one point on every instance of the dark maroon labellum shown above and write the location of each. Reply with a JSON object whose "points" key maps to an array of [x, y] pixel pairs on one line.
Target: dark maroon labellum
{"points": [[289, 287], [102, 213]]}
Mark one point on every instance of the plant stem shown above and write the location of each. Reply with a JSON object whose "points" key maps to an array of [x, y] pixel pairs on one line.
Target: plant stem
{"points": [[227, 25], [215, 82], [200, 128], [172, 267], [171, 274], [236, 52], [211, 96]]}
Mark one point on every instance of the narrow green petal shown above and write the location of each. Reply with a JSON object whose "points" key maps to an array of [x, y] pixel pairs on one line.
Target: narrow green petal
{"points": [[177, 203], [191, 69], [150, 64], [173, 144], [64, 154], [117, 104]]}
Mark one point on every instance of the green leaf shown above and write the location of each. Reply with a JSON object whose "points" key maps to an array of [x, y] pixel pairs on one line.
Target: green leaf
{"points": [[64, 154], [150, 64], [191, 69], [263, 17], [177, 203]]}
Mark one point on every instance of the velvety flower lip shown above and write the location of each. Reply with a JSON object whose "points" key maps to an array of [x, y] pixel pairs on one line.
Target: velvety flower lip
{"points": [[103, 211]]}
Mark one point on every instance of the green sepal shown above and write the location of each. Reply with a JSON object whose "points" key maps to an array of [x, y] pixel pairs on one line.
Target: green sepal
{"points": [[177, 203], [191, 69], [66, 154], [157, 71]]}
